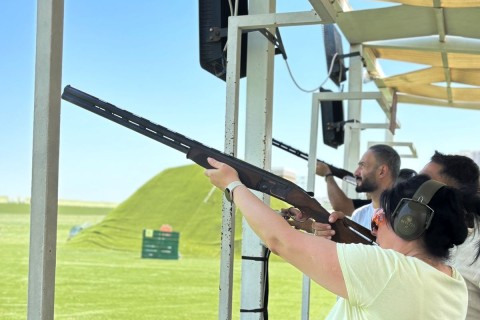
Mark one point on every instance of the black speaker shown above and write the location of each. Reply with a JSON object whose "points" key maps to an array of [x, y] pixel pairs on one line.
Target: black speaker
{"points": [[213, 28], [332, 122], [413, 216], [333, 45]]}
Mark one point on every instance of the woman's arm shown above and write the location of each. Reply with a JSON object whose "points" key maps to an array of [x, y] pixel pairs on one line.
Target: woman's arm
{"points": [[314, 256]]}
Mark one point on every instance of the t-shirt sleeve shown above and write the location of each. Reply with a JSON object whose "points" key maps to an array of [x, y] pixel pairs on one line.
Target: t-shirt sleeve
{"points": [[366, 271]]}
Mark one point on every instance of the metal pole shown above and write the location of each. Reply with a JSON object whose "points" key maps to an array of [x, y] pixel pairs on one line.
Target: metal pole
{"points": [[46, 132]]}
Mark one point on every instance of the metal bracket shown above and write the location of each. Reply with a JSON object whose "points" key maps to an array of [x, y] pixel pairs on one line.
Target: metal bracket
{"points": [[216, 34]]}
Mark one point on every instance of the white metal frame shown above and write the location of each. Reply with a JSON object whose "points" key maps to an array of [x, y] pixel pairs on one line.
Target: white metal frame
{"points": [[252, 287], [46, 137]]}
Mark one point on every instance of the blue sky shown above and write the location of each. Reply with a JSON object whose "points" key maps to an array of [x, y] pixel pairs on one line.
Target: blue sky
{"points": [[143, 56]]}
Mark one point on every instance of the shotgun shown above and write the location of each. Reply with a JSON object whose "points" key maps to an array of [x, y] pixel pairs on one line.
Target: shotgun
{"points": [[347, 231], [337, 172]]}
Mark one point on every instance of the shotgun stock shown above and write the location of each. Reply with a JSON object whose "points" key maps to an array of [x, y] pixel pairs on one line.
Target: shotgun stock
{"points": [[347, 231]]}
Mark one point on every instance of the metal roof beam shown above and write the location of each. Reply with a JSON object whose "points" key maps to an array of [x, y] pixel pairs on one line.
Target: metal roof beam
{"points": [[397, 22], [327, 10], [375, 71]]}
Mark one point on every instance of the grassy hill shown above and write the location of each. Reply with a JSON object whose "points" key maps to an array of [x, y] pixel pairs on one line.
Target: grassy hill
{"points": [[182, 197]]}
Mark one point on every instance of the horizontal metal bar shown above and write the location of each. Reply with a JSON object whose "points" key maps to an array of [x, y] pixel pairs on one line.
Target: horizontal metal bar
{"points": [[320, 96], [255, 21]]}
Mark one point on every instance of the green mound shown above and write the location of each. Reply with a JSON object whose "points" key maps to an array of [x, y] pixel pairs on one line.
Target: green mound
{"points": [[181, 197]]}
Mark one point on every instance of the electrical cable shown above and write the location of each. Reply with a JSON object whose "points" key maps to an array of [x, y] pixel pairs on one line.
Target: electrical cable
{"points": [[233, 12], [321, 85]]}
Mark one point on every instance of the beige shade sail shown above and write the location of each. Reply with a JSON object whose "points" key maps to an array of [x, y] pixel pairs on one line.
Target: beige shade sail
{"points": [[439, 39]]}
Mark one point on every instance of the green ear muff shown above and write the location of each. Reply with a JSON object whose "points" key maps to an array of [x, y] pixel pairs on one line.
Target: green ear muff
{"points": [[413, 216]]}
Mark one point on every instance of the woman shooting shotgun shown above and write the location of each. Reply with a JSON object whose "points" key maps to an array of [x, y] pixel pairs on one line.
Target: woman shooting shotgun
{"points": [[405, 277]]}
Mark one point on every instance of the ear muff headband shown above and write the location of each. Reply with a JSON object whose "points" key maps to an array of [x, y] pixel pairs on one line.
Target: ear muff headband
{"points": [[413, 216]]}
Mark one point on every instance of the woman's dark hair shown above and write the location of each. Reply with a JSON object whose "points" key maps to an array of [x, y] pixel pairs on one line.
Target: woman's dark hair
{"points": [[448, 227]]}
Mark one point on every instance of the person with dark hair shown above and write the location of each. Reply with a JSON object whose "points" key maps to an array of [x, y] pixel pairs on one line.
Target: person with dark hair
{"points": [[339, 200], [377, 170], [462, 173], [457, 171], [405, 174], [408, 277]]}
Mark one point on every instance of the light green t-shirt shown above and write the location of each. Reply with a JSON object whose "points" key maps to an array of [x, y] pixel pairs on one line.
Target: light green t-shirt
{"points": [[393, 286]]}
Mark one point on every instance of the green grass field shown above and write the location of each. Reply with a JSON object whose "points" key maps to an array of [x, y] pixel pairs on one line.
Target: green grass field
{"points": [[98, 278]]}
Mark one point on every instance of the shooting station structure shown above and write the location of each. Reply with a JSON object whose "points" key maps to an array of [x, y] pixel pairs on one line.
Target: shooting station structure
{"points": [[442, 35]]}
